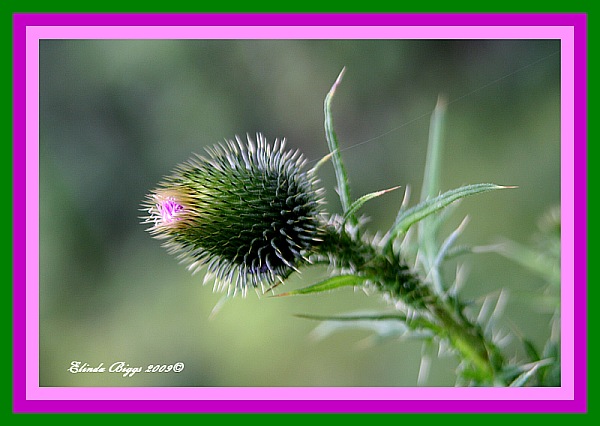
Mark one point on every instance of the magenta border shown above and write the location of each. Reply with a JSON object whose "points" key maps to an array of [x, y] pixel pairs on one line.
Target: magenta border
{"points": [[21, 403]]}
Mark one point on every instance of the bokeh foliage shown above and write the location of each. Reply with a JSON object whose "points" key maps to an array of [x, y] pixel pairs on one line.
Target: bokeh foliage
{"points": [[116, 116]]}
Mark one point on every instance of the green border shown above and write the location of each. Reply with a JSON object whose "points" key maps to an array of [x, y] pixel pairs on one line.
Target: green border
{"points": [[9, 7], [12, 6]]}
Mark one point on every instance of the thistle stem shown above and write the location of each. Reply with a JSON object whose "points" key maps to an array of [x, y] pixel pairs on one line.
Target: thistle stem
{"points": [[393, 278], [467, 339]]}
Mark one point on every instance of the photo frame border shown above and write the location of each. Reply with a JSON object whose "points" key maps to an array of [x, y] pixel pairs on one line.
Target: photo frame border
{"points": [[28, 396]]}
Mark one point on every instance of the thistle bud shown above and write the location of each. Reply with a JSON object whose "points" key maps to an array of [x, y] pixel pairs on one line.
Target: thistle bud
{"points": [[249, 211]]}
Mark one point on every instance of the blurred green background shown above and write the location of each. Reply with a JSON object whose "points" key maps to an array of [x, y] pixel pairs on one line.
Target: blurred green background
{"points": [[116, 116]]}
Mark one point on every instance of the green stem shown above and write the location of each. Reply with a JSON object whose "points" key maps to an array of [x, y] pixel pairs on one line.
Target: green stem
{"points": [[468, 339], [395, 279]]}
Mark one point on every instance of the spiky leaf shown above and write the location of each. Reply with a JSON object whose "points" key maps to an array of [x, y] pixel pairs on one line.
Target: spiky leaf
{"points": [[356, 205], [328, 285], [414, 214]]}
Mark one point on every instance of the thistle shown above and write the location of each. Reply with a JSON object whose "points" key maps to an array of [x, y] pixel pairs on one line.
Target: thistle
{"points": [[252, 214], [249, 211]]}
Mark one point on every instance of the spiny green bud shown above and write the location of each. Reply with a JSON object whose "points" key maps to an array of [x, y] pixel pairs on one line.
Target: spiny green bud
{"points": [[249, 211]]}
